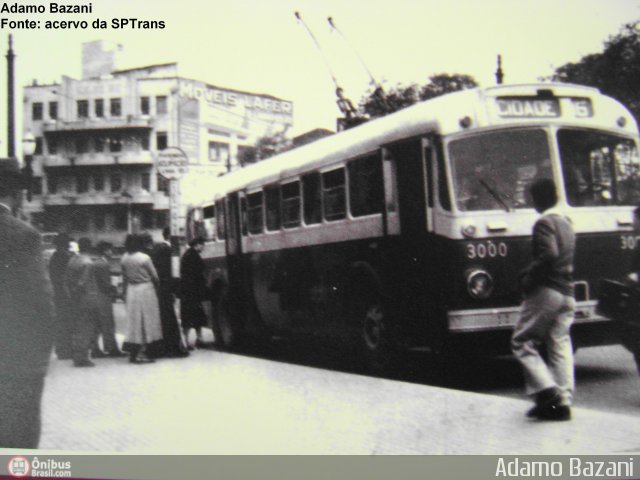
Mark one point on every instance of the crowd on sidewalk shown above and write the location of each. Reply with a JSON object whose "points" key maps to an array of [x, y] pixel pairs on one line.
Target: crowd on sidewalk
{"points": [[84, 297]]}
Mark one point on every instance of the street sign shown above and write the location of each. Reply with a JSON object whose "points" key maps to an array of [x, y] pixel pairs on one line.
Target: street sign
{"points": [[172, 163]]}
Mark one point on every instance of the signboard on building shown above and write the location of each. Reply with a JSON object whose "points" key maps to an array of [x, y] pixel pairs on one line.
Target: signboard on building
{"points": [[172, 163]]}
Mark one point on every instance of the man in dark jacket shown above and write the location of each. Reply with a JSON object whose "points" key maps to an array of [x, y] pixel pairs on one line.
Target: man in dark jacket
{"points": [[162, 258], [64, 321], [193, 290], [547, 310], [26, 320]]}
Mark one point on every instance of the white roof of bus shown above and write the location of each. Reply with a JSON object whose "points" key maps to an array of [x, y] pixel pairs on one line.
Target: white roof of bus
{"points": [[441, 114]]}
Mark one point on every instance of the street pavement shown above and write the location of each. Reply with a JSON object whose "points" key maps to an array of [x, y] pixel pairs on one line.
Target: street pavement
{"points": [[219, 403]]}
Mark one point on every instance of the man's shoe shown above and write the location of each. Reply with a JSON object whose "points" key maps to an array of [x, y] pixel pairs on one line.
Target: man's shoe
{"points": [[84, 363], [141, 359], [557, 413], [178, 354], [116, 354], [98, 354]]}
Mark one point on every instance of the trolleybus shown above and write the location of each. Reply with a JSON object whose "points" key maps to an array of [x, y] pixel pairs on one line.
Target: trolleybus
{"points": [[410, 230]]}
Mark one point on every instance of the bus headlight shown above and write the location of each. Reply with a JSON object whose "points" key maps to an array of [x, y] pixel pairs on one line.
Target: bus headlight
{"points": [[479, 284]]}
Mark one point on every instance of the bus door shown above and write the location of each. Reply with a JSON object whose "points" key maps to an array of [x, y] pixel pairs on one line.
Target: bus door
{"points": [[411, 174], [235, 261]]}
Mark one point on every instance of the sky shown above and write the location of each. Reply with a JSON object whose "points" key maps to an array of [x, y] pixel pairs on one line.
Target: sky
{"points": [[260, 47]]}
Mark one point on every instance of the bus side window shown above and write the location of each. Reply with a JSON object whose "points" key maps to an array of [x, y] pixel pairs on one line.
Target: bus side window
{"points": [[291, 204], [220, 219], [254, 212], [209, 213], [333, 195], [243, 216], [443, 186], [365, 186], [272, 201], [312, 199]]}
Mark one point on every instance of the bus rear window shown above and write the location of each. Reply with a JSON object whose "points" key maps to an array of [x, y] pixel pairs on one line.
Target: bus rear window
{"points": [[333, 195]]}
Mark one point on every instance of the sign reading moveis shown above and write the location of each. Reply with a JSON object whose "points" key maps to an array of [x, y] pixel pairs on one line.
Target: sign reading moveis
{"points": [[233, 99]]}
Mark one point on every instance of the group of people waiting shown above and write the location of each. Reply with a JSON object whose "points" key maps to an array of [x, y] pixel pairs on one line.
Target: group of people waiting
{"points": [[84, 295]]}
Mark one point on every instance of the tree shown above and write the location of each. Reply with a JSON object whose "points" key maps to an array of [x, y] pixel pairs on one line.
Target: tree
{"points": [[377, 103], [615, 71], [265, 147]]}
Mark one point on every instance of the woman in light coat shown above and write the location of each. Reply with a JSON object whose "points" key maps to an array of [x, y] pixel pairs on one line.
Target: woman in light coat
{"points": [[140, 282]]}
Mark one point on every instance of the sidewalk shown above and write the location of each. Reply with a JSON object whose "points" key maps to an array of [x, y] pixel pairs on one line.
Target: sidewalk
{"points": [[218, 403]]}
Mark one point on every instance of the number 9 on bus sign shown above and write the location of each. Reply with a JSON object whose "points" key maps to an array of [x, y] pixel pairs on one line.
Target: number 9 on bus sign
{"points": [[488, 249]]}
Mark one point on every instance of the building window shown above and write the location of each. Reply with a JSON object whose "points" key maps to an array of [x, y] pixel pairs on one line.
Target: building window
{"points": [[120, 220], [365, 186], [99, 221], [99, 107], [36, 186], [98, 144], [83, 108], [145, 181], [82, 145], [218, 152], [144, 105], [39, 146], [52, 184], [333, 195], [115, 107], [116, 182], [312, 199], [162, 140], [163, 184], [82, 184], [115, 144], [161, 105], [36, 111], [53, 110], [98, 182], [162, 218], [52, 146], [144, 143], [146, 218]]}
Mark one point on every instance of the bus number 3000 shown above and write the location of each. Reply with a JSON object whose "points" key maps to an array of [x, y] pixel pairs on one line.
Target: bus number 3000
{"points": [[487, 249]]}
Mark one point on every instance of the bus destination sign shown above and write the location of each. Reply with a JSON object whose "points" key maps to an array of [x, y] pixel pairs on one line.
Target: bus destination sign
{"points": [[528, 107]]}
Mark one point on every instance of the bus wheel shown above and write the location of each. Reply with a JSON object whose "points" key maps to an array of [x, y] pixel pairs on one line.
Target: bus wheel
{"points": [[376, 338]]}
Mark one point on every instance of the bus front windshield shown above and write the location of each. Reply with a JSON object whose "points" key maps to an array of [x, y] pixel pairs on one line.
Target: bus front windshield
{"points": [[599, 168], [493, 170]]}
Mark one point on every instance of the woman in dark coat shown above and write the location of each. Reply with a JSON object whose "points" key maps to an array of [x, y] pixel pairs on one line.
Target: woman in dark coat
{"points": [[193, 290]]}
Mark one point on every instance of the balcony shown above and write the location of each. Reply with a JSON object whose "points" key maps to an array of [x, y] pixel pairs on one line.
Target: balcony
{"points": [[98, 159], [97, 124], [141, 197]]}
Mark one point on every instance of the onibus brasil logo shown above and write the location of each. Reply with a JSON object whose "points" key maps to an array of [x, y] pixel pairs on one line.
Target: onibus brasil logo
{"points": [[19, 467]]}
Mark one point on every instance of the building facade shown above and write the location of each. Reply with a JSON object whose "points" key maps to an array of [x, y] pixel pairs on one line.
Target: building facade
{"points": [[98, 138]]}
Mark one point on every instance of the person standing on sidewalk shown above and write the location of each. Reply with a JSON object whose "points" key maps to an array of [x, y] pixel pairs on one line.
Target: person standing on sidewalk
{"points": [[193, 291], [162, 257], [140, 281], [106, 294], [548, 310], [82, 287], [26, 319], [64, 317]]}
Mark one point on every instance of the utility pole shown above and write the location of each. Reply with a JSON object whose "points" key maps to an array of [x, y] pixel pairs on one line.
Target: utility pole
{"points": [[11, 139], [499, 72]]}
